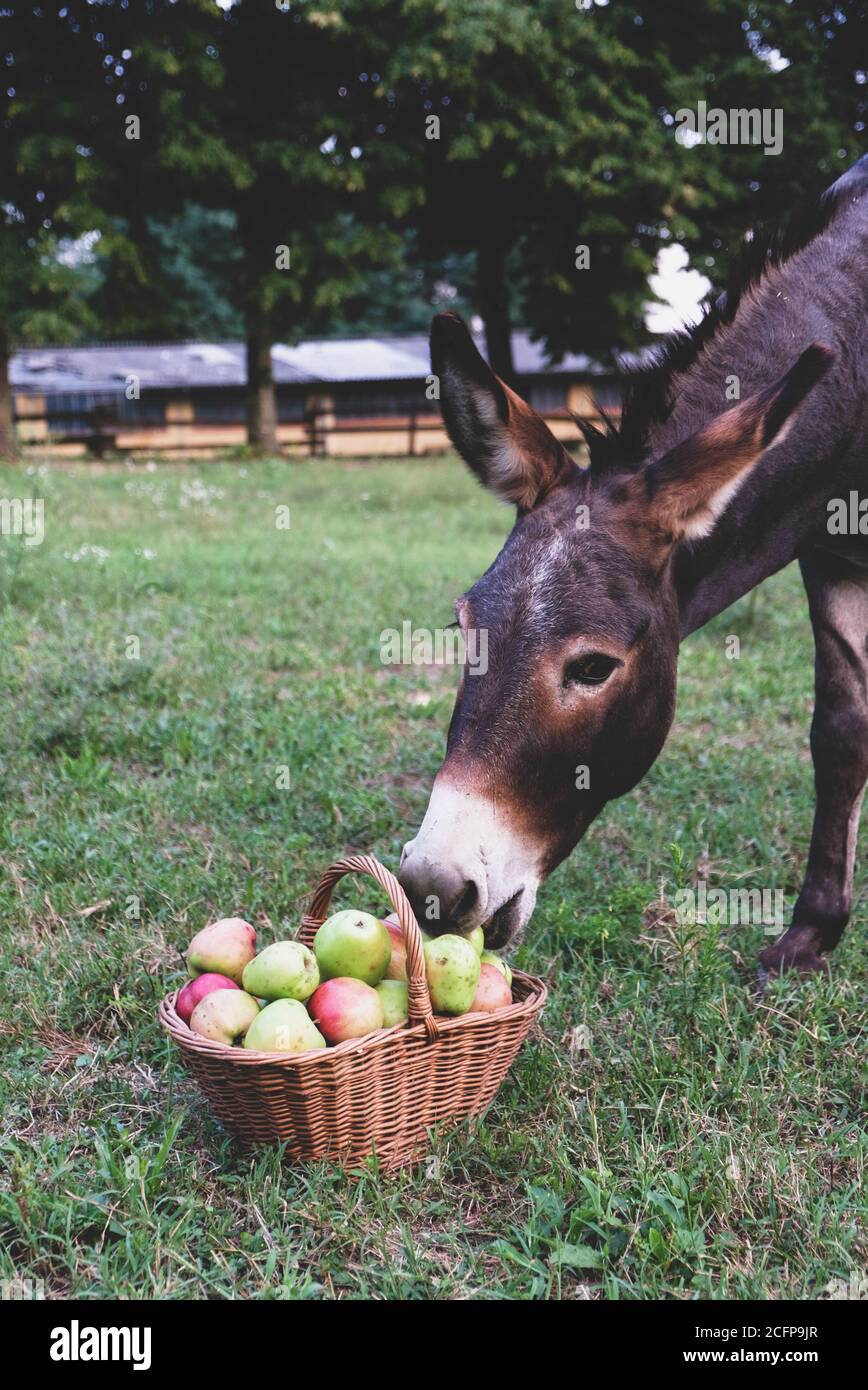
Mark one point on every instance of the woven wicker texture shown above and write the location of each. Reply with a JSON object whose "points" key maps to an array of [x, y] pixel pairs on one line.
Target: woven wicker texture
{"points": [[379, 1094]]}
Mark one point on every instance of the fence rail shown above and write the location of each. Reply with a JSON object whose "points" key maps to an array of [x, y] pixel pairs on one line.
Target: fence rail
{"points": [[99, 430]]}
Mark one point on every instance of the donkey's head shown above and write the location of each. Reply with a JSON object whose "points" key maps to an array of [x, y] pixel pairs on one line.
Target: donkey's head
{"points": [[582, 625]]}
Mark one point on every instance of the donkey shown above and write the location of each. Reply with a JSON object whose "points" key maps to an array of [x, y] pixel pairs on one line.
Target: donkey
{"points": [[729, 451]]}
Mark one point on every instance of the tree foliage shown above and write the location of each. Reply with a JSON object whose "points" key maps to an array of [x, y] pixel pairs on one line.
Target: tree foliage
{"points": [[340, 165]]}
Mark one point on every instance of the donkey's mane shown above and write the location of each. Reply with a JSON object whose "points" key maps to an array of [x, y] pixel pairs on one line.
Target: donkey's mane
{"points": [[648, 393]]}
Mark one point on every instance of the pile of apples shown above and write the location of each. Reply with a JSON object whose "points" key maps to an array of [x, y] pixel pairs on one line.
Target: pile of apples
{"points": [[289, 998]]}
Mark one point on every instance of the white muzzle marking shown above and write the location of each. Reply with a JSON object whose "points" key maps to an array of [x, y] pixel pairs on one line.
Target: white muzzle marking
{"points": [[468, 835]]}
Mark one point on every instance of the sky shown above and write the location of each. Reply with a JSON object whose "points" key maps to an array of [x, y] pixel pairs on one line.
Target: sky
{"points": [[682, 290]]}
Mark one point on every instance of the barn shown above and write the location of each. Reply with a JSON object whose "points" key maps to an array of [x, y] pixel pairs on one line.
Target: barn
{"points": [[350, 396]]}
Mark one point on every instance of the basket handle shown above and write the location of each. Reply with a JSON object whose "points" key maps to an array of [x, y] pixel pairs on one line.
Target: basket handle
{"points": [[418, 999]]}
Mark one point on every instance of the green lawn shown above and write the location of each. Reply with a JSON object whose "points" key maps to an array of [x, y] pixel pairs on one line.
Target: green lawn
{"points": [[707, 1143]]}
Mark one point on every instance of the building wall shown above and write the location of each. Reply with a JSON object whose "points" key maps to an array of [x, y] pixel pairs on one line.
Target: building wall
{"points": [[185, 427]]}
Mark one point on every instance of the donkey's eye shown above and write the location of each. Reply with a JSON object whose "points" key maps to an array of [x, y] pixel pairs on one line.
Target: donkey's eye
{"points": [[591, 669]]}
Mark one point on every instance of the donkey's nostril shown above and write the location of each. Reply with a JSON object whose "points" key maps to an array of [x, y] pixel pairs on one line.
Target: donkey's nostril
{"points": [[467, 902], [440, 894]]}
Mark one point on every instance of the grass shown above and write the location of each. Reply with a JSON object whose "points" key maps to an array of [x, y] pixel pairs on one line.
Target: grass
{"points": [[169, 649]]}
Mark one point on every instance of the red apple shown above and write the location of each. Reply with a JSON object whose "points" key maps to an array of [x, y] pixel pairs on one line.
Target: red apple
{"points": [[197, 989], [345, 1008], [492, 992], [397, 967], [499, 964]]}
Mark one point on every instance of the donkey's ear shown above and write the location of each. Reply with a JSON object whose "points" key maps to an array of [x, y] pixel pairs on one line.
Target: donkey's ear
{"points": [[507, 445], [687, 489]]}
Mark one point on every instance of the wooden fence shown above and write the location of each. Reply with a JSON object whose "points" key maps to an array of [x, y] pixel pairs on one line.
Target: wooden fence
{"points": [[100, 432]]}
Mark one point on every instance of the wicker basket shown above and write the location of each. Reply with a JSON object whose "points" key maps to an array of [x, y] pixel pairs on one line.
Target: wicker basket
{"points": [[379, 1094]]}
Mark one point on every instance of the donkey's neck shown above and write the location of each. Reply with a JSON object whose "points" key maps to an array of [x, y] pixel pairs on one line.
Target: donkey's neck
{"points": [[814, 296], [773, 519]]}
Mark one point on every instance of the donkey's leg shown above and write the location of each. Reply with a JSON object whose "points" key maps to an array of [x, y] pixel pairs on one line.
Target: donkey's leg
{"points": [[838, 599]]}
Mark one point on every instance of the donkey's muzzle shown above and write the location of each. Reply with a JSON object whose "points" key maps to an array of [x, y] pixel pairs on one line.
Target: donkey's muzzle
{"points": [[443, 896], [467, 867]]}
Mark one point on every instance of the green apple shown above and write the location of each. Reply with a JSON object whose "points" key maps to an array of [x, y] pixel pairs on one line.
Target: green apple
{"points": [[284, 970], [284, 1026], [492, 958], [452, 967], [353, 945], [224, 1015], [477, 940], [223, 948], [393, 994]]}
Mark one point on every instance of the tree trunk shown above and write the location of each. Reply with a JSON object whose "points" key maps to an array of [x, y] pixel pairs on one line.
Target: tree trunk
{"points": [[8, 450], [261, 402], [493, 295]]}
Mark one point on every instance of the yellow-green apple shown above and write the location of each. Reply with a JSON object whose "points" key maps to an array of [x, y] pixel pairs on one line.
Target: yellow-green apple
{"points": [[284, 970], [492, 958], [353, 944], [393, 996], [452, 968], [224, 1015], [492, 992], [224, 947], [284, 1026], [196, 989], [345, 1008], [477, 940]]}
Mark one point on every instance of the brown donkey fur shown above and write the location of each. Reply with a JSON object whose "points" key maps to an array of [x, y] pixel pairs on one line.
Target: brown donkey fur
{"points": [[690, 503]]}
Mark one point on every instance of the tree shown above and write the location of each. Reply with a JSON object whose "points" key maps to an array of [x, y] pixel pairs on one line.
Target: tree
{"points": [[541, 140], [40, 193], [518, 134], [73, 157], [797, 58], [285, 171], [181, 282], [258, 134], [401, 296]]}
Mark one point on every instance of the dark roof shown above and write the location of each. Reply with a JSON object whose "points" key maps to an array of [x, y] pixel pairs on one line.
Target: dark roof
{"points": [[173, 365]]}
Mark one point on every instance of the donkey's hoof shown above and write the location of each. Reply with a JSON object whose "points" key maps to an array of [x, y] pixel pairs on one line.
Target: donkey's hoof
{"points": [[796, 950]]}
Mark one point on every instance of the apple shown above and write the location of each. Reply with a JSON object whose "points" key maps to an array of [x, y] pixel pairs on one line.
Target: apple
{"points": [[284, 1026], [492, 958], [477, 940], [224, 947], [284, 970], [492, 992], [397, 967], [452, 967], [393, 996], [224, 1015], [353, 944], [346, 1008], [197, 989], [392, 921]]}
